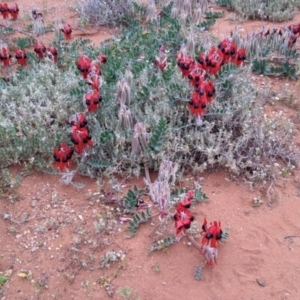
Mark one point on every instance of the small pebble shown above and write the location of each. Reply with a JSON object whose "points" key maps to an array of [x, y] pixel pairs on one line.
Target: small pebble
{"points": [[261, 282]]}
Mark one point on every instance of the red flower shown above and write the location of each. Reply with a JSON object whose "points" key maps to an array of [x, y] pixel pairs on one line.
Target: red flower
{"points": [[81, 138], [214, 61], [95, 69], [202, 60], [5, 56], [4, 10], [93, 76], [83, 65], [67, 30], [63, 156], [92, 100], [53, 53], [39, 49], [196, 75], [14, 11], [228, 48], [211, 234], [198, 103], [187, 201], [93, 80], [21, 57], [183, 219], [209, 89], [185, 63], [240, 56], [78, 120], [102, 58], [295, 29]]}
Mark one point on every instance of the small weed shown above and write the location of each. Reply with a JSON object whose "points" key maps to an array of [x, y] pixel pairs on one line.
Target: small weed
{"points": [[110, 257], [127, 293], [156, 269], [198, 273], [100, 12], [163, 244]]}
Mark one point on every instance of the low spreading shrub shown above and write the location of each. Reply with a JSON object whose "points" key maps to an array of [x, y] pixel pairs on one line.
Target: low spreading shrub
{"points": [[272, 10], [152, 122]]}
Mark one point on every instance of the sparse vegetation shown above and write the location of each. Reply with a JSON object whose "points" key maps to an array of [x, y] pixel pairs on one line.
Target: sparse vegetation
{"points": [[272, 10]]}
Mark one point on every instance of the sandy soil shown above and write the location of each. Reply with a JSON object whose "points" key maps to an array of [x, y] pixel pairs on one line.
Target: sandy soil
{"points": [[59, 248]]}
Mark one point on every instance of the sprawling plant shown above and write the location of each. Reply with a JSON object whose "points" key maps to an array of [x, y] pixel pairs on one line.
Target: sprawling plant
{"points": [[143, 118], [102, 12], [273, 10]]}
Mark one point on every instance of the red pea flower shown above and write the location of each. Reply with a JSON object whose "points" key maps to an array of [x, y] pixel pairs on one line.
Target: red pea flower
{"points": [[62, 156], [39, 49], [185, 63], [214, 61], [93, 80], [187, 201], [228, 48], [67, 30], [78, 120], [295, 29], [14, 11], [4, 10], [209, 89], [102, 59], [21, 56], [81, 138], [92, 100], [196, 75], [183, 219], [83, 65], [202, 60], [5, 56], [240, 56], [212, 234], [198, 102], [53, 54], [94, 68]]}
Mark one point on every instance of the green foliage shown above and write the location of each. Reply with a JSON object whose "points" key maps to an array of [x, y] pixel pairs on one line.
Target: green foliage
{"points": [[223, 3], [263, 67], [3, 279], [284, 70], [6, 30], [163, 244], [214, 14], [157, 138], [132, 198], [137, 220], [7, 183], [127, 293], [205, 25], [225, 235], [273, 10], [22, 43], [199, 196], [198, 273], [101, 12], [260, 66], [111, 257]]}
